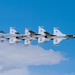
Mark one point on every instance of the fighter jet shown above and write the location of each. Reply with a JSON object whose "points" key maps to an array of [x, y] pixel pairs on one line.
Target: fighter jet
{"points": [[57, 36], [60, 36], [45, 36], [11, 36]]}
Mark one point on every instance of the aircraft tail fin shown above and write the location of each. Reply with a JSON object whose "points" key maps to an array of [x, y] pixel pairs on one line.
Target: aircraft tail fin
{"points": [[57, 32]]}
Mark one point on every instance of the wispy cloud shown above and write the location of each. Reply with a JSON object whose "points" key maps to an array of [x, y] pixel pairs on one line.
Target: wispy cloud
{"points": [[20, 56], [16, 71]]}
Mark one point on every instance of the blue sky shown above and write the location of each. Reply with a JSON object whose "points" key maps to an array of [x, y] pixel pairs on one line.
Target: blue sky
{"points": [[48, 13]]}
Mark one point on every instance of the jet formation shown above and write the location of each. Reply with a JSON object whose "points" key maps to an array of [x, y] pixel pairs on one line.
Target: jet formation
{"points": [[29, 36]]}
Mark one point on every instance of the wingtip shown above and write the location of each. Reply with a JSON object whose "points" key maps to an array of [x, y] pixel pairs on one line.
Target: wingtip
{"points": [[41, 26], [26, 29], [12, 27], [56, 27]]}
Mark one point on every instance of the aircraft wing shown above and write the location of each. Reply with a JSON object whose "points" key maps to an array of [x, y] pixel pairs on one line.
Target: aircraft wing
{"points": [[27, 41], [41, 40], [12, 40], [56, 41]]}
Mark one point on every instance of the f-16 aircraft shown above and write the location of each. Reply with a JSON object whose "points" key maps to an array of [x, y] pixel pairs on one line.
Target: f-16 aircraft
{"points": [[30, 35], [57, 37], [45, 36], [60, 36], [11, 36], [15, 36]]}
